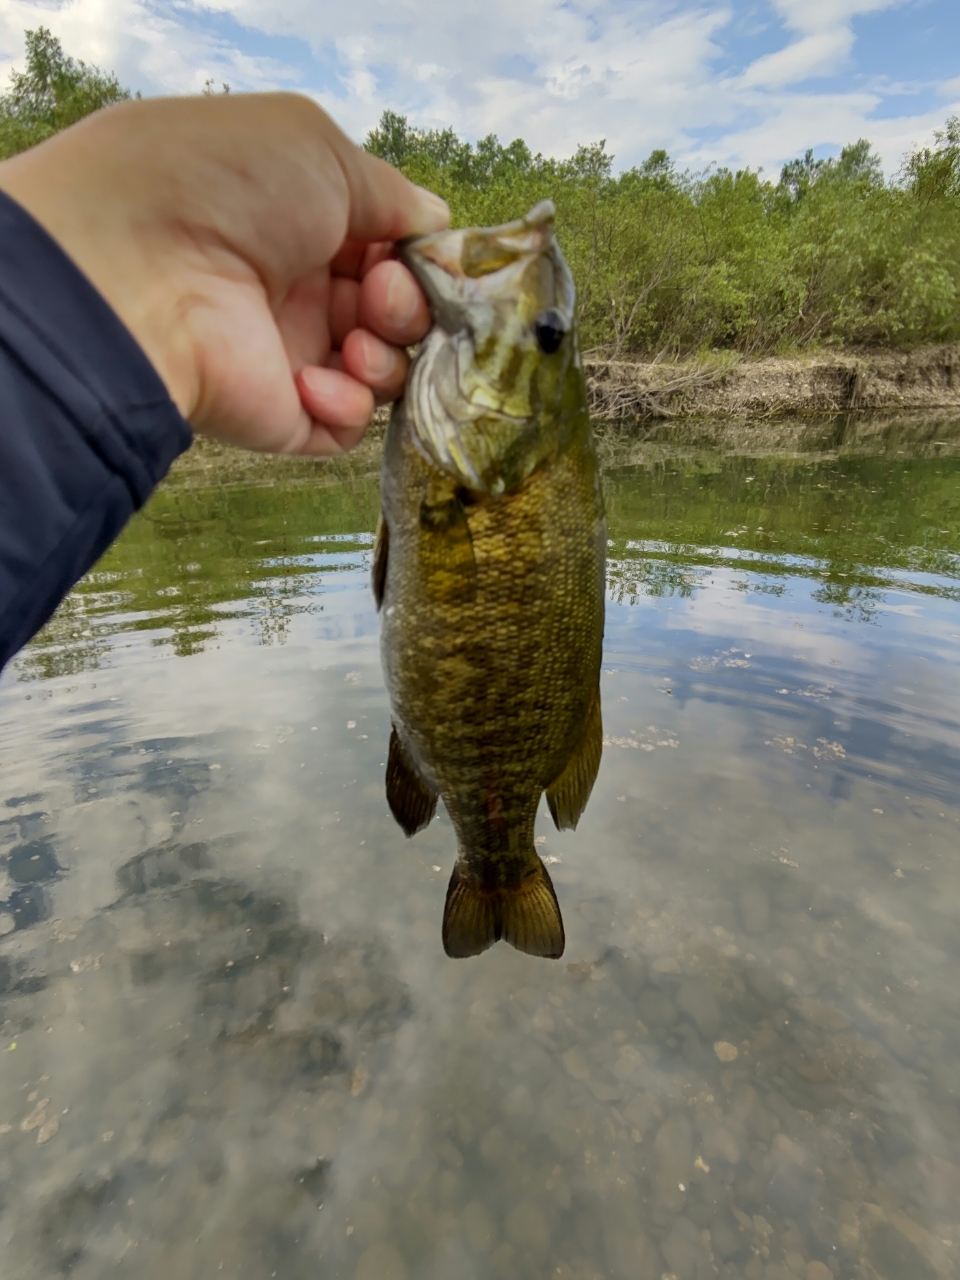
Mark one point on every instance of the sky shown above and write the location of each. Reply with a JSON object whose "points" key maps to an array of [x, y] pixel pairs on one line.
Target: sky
{"points": [[741, 82]]}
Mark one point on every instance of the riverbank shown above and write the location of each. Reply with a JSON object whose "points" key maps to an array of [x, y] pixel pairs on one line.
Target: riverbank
{"points": [[869, 403], [726, 386]]}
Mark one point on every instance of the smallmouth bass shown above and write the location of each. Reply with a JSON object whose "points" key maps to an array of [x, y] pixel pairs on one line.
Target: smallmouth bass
{"points": [[489, 574]]}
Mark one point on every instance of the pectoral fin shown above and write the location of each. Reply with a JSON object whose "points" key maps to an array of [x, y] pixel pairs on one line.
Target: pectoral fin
{"points": [[378, 571], [446, 548], [569, 792], [526, 915], [411, 801]]}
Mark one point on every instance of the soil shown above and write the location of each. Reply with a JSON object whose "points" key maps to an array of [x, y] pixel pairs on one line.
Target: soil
{"points": [[727, 387], [881, 397]]}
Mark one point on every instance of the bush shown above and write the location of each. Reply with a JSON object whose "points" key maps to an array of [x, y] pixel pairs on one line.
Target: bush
{"points": [[667, 264], [53, 92], [670, 263]]}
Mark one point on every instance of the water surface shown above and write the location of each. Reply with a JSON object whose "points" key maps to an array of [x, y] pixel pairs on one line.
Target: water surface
{"points": [[231, 1042]]}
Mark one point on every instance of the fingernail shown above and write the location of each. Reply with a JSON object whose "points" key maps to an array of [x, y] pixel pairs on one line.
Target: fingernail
{"points": [[436, 209]]}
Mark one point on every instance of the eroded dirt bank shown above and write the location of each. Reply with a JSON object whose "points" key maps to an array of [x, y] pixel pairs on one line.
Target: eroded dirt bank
{"points": [[927, 378], [874, 403]]}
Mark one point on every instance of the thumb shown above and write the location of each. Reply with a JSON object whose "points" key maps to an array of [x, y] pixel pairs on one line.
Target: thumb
{"points": [[384, 205]]}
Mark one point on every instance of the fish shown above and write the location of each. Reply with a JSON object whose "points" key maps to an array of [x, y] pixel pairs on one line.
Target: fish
{"points": [[489, 571]]}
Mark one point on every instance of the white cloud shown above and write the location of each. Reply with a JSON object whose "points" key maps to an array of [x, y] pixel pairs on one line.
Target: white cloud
{"points": [[818, 15], [814, 55], [556, 72], [791, 123], [147, 46]]}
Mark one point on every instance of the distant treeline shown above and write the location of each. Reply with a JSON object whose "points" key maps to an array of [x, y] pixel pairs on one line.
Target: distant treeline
{"points": [[671, 263], [667, 263]]}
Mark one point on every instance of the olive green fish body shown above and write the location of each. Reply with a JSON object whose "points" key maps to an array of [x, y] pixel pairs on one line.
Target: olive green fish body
{"points": [[491, 595]]}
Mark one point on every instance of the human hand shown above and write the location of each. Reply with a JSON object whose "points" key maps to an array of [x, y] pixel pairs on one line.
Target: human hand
{"points": [[246, 243]]}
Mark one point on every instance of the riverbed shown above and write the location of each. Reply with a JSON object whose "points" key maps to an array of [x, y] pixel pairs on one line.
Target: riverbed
{"points": [[231, 1043]]}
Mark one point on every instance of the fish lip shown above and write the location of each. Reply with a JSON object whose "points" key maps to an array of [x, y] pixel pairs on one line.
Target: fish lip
{"points": [[541, 213], [407, 253], [461, 303], [429, 270], [434, 280]]}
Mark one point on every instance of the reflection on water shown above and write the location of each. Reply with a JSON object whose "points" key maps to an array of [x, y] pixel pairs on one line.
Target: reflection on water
{"points": [[230, 1040]]}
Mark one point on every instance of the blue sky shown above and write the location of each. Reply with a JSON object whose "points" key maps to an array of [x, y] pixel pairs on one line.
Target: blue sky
{"points": [[737, 82]]}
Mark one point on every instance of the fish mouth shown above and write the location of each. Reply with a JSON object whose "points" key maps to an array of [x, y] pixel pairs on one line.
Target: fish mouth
{"points": [[451, 266]]}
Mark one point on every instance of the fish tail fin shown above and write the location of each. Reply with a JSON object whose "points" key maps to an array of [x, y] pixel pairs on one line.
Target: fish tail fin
{"points": [[525, 915], [471, 916], [531, 916]]}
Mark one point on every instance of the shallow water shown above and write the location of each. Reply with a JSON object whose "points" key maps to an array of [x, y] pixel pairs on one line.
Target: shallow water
{"points": [[231, 1042]]}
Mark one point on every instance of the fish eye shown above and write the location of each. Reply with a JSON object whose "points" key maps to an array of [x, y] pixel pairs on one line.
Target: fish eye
{"points": [[550, 331]]}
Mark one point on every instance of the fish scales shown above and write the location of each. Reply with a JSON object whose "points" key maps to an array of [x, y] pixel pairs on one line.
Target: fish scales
{"points": [[491, 593]]}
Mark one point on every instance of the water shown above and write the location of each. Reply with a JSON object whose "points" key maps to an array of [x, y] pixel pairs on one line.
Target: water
{"points": [[231, 1043]]}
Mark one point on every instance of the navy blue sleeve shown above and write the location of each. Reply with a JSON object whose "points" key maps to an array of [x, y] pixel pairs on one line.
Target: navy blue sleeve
{"points": [[87, 428]]}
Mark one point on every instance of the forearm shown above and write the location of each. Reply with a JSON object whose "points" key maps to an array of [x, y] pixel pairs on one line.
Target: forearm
{"points": [[87, 428]]}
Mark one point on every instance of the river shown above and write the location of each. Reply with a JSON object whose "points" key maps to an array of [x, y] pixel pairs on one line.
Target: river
{"points": [[231, 1043]]}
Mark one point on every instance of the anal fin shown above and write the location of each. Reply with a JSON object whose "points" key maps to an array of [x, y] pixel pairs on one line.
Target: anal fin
{"points": [[569, 792], [526, 915], [411, 801]]}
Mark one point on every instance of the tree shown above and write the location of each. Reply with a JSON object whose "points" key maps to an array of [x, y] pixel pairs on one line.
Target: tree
{"points": [[855, 163], [418, 152], [658, 170], [393, 139], [590, 163], [933, 173], [54, 91], [666, 263]]}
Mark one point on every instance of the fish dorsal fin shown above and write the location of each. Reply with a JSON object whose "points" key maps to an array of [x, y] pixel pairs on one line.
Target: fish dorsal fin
{"points": [[411, 801], [569, 792], [378, 570], [526, 915]]}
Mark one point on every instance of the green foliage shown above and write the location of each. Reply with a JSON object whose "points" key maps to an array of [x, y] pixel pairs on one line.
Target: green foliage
{"points": [[856, 163], [934, 172], [666, 263], [670, 263], [53, 92]]}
